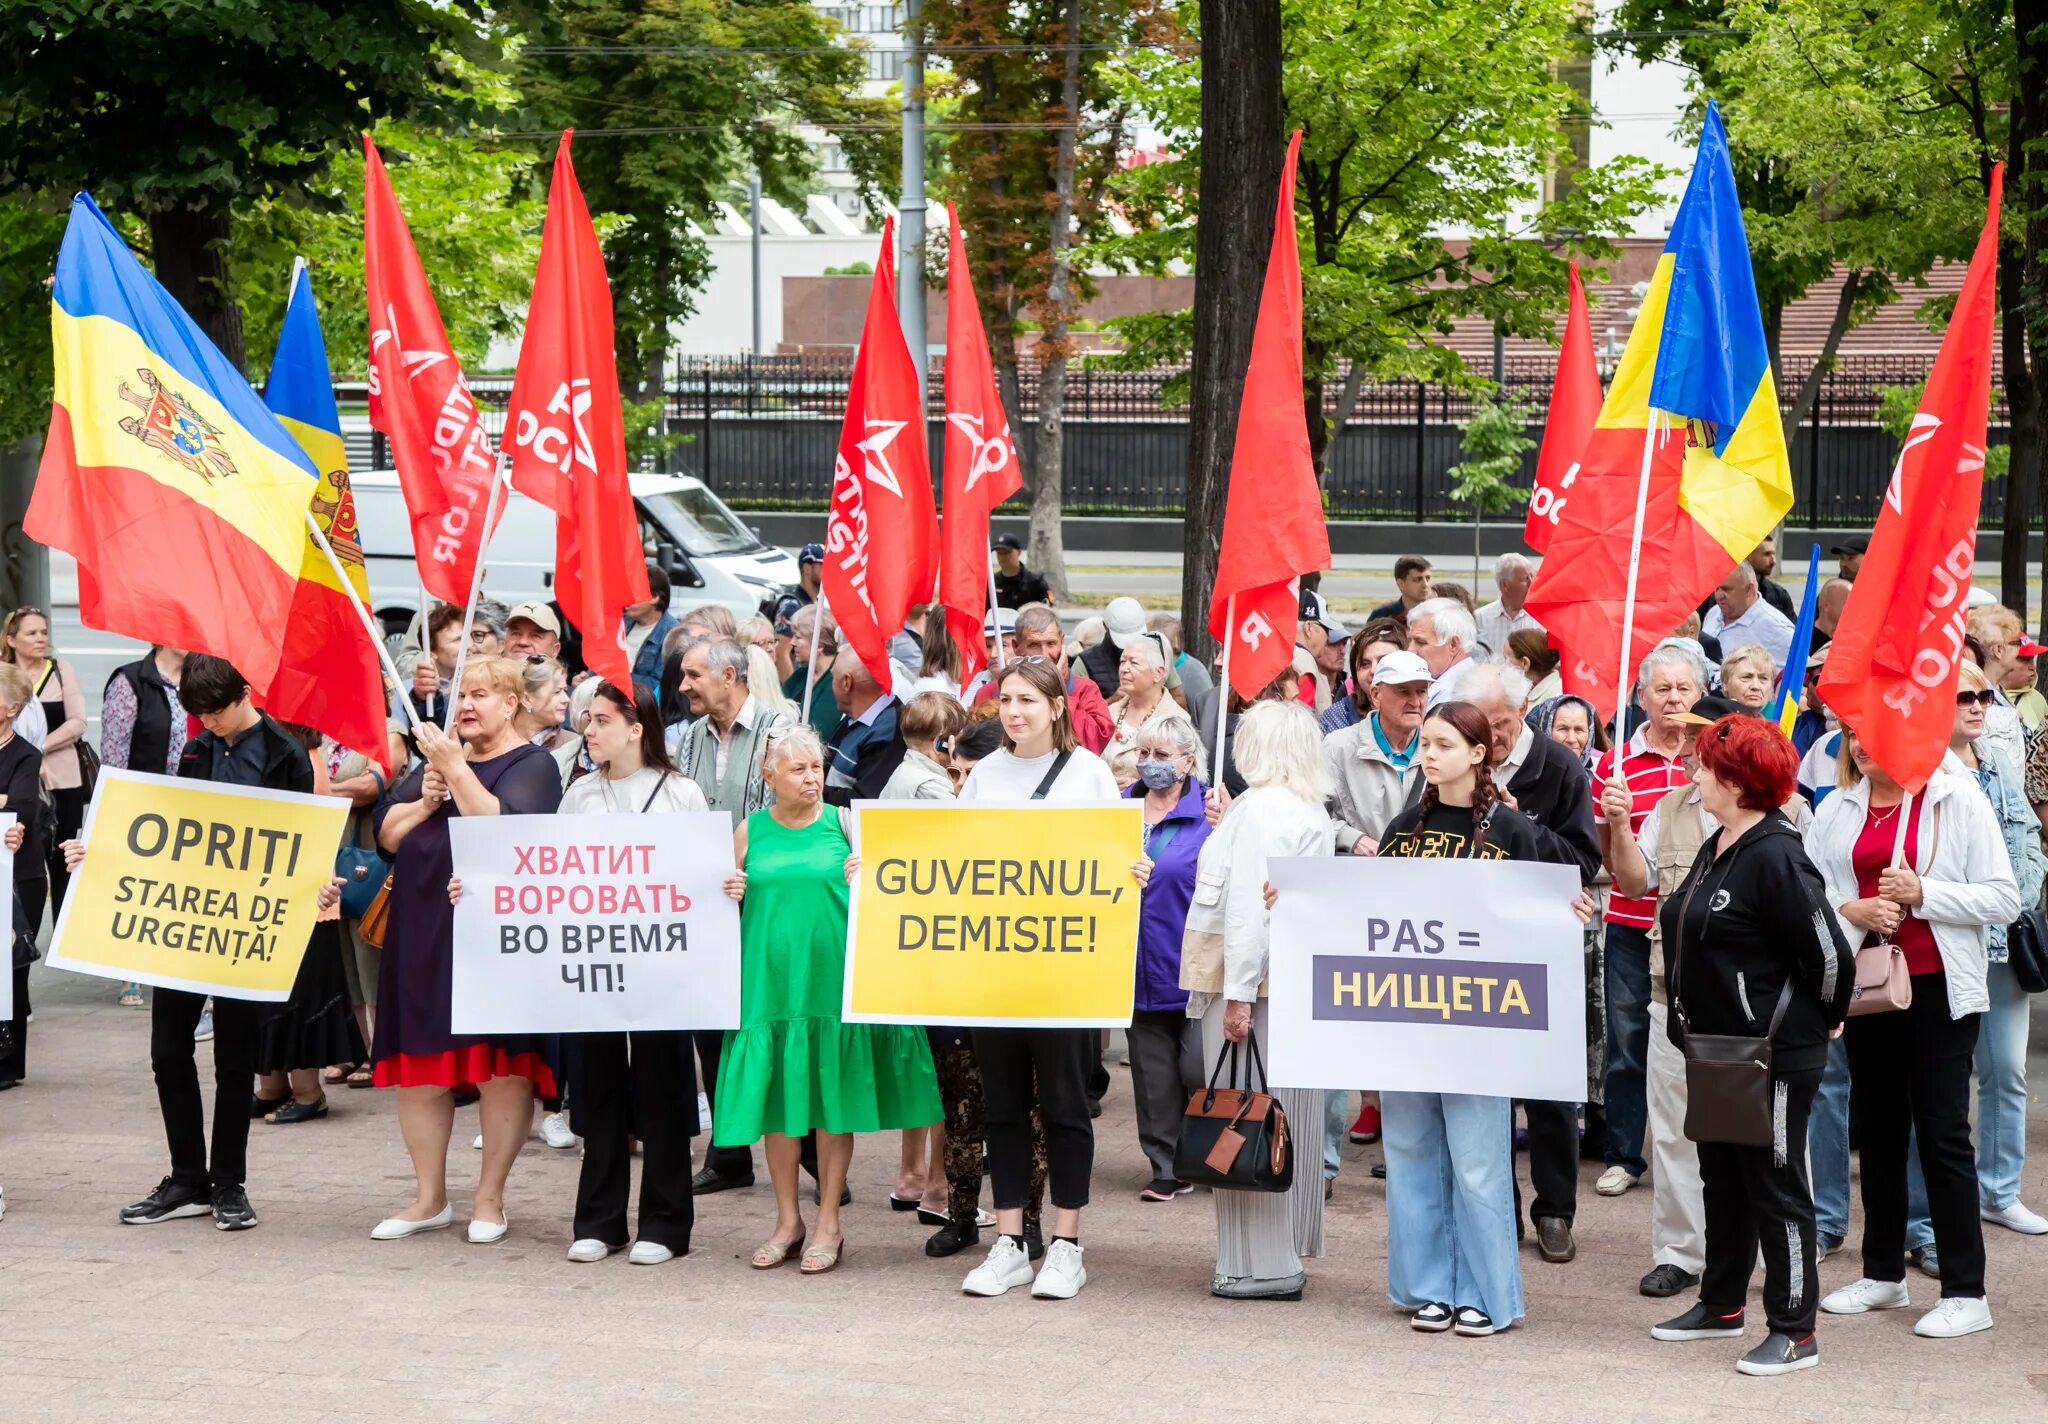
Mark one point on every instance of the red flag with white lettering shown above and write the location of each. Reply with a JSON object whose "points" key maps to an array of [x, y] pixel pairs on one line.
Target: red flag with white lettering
{"points": [[419, 399], [566, 433], [1893, 661], [981, 460], [881, 536], [1574, 410], [1273, 529]]}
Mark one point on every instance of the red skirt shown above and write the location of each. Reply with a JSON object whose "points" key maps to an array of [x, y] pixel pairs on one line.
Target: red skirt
{"points": [[464, 1068]]}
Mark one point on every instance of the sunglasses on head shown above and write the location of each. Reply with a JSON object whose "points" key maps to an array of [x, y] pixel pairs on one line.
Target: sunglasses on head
{"points": [[1984, 697]]}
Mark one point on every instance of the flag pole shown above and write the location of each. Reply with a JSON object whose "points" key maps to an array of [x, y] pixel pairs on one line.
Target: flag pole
{"points": [[995, 621], [1623, 683], [1223, 688], [476, 587], [817, 634], [370, 629]]}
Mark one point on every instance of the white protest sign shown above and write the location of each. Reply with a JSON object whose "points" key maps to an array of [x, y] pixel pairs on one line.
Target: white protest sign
{"points": [[584, 924], [1427, 976]]}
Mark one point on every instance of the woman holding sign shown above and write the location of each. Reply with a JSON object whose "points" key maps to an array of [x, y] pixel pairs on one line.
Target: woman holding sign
{"points": [[490, 771], [1451, 1253]]}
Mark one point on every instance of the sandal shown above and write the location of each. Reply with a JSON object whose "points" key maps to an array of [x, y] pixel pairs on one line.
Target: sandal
{"points": [[820, 1259], [773, 1253], [338, 1073], [296, 1111], [363, 1077]]}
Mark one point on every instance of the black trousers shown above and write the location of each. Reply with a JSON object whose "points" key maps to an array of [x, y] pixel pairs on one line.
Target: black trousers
{"points": [[1759, 1197], [70, 803], [1553, 1161], [733, 1161], [14, 1065], [1046, 1068], [173, 1014], [1909, 1072], [635, 1085]]}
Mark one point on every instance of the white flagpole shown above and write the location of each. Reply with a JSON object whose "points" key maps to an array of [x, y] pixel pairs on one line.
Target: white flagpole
{"points": [[817, 633], [370, 629], [995, 620], [499, 473], [1624, 683], [1223, 687]]}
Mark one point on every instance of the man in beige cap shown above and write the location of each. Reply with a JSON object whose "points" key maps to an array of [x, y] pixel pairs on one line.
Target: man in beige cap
{"points": [[533, 630]]}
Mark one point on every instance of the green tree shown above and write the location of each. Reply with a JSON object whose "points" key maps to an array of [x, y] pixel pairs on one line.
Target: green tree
{"points": [[1493, 443], [178, 112]]}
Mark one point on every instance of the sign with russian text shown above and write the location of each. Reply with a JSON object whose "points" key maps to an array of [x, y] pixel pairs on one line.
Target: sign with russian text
{"points": [[584, 924], [197, 885], [1019, 916], [1427, 976]]}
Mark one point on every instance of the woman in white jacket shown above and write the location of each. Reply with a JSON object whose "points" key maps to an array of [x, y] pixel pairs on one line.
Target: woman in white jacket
{"points": [[1260, 1237], [1933, 889]]}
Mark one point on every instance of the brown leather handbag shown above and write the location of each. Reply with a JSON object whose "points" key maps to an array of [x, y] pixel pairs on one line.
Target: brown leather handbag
{"points": [[377, 918], [1882, 981], [1235, 1139]]}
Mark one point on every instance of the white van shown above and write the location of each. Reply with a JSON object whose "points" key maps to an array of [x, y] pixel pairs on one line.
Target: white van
{"points": [[710, 556]]}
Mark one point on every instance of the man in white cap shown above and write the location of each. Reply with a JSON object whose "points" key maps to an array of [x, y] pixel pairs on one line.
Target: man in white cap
{"points": [[532, 630], [1372, 764]]}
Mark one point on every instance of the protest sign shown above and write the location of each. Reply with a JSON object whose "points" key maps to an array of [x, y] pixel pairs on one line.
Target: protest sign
{"points": [[196, 885], [1427, 976], [1023, 916], [582, 924]]}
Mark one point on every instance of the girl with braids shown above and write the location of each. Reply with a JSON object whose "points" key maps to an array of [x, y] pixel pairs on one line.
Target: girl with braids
{"points": [[1451, 1253]]}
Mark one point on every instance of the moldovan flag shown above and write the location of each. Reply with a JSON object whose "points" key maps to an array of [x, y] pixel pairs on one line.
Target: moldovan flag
{"points": [[1574, 411], [1892, 664], [981, 460], [419, 399], [181, 497], [328, 677], [881, 536], [567, 432], [1273, 529], [1689, 434]]}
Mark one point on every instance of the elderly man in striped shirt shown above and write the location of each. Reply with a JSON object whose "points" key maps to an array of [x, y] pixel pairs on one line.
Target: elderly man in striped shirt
{"points": [[1630, 780]]}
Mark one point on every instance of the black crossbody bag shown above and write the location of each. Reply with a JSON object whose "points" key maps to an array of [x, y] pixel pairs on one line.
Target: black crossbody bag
{"points": [[1727, 1076]]}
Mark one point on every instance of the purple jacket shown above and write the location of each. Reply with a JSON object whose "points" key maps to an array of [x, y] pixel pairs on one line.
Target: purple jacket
{"points": [[1163, 913]]}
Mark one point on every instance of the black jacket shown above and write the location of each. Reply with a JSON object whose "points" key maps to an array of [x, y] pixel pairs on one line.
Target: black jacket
{"points": [[287, 766], [1740, 926], [1553, 789], [1103, 666]]}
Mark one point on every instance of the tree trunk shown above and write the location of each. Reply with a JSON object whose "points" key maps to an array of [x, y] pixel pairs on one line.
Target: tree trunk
{"points": [[190, 247], [1809, 389], [1242, 151], [24, 564], [1347, 406], [1048, 547], [2023, 295]]}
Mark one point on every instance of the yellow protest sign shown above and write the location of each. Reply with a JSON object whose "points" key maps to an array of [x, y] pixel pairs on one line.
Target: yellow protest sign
{"points": [[197, 886], [994, 915]]}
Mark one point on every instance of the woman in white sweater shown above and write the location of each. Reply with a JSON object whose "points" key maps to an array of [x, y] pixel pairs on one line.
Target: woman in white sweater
{"points": [[1260, 1237], [1930, 877]]}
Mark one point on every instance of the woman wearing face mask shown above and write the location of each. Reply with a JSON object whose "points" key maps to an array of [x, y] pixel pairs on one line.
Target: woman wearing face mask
{"points": [[1166, 1045]]}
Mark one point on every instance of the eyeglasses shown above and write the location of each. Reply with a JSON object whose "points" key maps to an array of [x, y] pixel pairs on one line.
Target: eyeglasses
{"points": [[1984, 697]]}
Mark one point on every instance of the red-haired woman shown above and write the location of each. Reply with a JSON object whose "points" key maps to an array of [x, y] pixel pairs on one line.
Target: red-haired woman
{"points": [[1753, 951]]}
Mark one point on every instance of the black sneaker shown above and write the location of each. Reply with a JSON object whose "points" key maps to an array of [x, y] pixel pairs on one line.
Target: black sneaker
{"points": [[1034, 1240], [1702, 1322], [1473, 1322], [1780, 1354], [169, 1201], [954, 1236], [1433, 1319], [231, 1209], [1666, 1281]]}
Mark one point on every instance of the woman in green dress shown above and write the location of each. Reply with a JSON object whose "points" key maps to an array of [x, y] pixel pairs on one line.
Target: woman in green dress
{"points": [[792, 1067]]}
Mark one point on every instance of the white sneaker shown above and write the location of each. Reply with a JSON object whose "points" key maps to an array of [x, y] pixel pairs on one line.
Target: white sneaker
{"points": [[1954, 1315], [1614, 1181], [554, 1131], [1866, 1295], [479, 1143], [202, 1032], [2016, 1218], [649, 1253], [704, 1114], [589, 1249], [1062, 1275], [1006, 1266]]}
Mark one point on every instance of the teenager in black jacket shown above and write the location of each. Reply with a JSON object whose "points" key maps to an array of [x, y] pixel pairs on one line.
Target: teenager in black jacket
{"points": [[1753, 951]]}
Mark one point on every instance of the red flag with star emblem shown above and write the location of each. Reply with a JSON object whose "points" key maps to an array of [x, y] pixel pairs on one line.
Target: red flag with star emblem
{"points": [[1574, 410], [882, 533]]}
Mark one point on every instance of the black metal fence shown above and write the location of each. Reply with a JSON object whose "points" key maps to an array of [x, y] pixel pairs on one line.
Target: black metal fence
{"points": [[763, 432]]}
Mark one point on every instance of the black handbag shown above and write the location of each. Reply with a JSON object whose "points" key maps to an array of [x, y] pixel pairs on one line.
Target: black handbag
{"points": [[2026, 949], [1235, 1139], [1728, 1090]]}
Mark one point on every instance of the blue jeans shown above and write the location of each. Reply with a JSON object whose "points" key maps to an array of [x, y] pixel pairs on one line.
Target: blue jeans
{"points": [[1336, 1117], [1827, 1146], [1451, 1202], [1628, 1045], [2001, 1109]]}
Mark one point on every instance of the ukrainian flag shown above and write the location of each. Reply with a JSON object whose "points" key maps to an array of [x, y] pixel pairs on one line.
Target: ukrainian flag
{"points": [[1689, 434], [181, 497]]}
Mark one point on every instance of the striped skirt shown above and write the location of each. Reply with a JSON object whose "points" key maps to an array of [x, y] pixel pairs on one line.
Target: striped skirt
{"points": [[1266, 1235]]}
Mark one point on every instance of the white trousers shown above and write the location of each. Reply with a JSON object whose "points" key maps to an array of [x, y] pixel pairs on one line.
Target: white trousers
{"points": [[1678, 1216]]}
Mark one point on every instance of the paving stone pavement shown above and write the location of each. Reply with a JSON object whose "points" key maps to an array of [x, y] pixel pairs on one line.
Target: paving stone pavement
{"points": [[305, 1319]]}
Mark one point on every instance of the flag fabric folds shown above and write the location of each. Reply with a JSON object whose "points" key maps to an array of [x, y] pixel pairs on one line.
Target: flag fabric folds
{"points": [[1689, 433], [566, 431], [981, 460], [328, 676], [881, 536], [420, 400], [1784, 707], [1893, 662], [182, 498], [1273, 527], [1574, 410]]}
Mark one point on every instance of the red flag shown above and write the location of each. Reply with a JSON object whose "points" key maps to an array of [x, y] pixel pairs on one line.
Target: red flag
{"points": [[1892, 664], [568, 432], [419, 399], [981, 460], [881, 536], [1273, 529], [1574, 407]]}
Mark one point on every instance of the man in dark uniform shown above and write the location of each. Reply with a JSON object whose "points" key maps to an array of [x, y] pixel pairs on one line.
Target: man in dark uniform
{"points": [[1015, 584]]}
